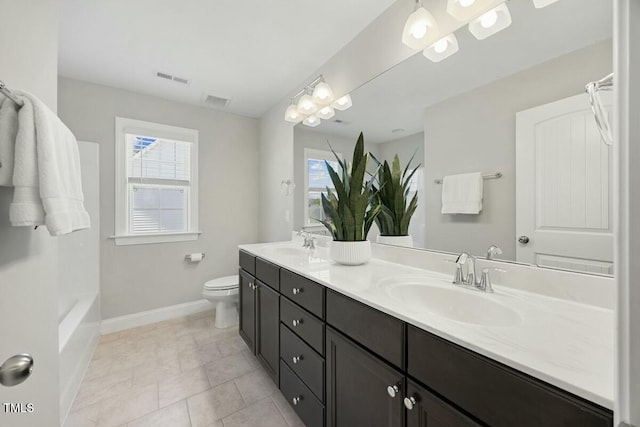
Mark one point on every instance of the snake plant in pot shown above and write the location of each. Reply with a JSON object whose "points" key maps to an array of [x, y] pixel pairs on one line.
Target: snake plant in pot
{"points": [[348, 208], [392, 197]]}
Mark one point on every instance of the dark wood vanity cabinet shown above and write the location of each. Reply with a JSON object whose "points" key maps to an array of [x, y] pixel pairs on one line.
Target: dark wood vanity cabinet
{"points": [[260, 311], [341, 363], [361, 389]]}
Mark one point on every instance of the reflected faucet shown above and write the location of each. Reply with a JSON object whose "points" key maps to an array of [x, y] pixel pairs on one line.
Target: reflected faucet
{"points": [[493, 251]]}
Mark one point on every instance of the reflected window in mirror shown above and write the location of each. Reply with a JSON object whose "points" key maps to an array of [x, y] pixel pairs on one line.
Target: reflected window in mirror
{"points": [[317, 180]]}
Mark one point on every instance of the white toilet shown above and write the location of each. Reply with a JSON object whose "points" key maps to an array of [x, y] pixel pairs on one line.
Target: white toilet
{"points": [[223, 292]]}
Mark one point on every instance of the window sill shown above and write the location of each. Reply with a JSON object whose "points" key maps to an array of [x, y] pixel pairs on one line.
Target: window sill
{"points": [[131, 239]]}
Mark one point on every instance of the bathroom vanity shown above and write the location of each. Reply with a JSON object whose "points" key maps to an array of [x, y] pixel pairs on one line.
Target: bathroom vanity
{"points": [[346, 349]]}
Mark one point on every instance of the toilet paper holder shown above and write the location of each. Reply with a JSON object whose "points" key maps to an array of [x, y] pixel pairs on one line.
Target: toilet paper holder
{"points": [[188, 256]]}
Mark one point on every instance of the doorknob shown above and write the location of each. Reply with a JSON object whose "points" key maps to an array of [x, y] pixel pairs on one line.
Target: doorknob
{"points": [[16, 369], [523, 239]]}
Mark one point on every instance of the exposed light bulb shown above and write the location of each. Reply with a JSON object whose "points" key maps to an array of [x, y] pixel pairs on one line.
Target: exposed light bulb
{"points": [[441, 45], [489, 19], [467, 3]]}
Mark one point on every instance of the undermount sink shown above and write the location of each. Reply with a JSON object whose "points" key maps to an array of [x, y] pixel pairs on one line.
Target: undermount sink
{"points": [[462, 305]]}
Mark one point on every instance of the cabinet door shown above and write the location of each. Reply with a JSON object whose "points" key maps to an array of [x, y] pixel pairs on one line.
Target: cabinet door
{"points": [[248, 309], [362, 390], [268, 328], [424, 409]]}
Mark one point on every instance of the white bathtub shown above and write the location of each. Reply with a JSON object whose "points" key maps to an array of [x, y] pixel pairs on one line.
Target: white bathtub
{"points": [[79, 332]]}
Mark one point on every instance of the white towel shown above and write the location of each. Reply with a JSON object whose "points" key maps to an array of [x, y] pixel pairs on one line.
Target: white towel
{"points": [[46, 176], [462, 194], [8, 131]]}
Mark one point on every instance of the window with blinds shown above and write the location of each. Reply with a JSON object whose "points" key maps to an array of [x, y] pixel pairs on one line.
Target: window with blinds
{"points": [[158, 184]]}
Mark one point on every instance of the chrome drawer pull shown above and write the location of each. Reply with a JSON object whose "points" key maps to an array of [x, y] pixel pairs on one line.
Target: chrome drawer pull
{"points": [[296, 322], [297, 291], [409, 402], [297, 359], [296, 400]]}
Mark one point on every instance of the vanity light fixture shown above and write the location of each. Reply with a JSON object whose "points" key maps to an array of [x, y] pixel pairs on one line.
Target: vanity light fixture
{"points": [[491, 22], [326, 113], [442, 49], [314, 102], [418, 28], [539, 4], [311, 121], [342, 103], [465, 10]]}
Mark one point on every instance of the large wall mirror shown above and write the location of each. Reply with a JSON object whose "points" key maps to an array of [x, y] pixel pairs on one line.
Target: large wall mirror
{"points": [[512, 105]]}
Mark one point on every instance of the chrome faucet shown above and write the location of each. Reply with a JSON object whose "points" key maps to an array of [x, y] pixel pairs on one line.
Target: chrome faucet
{"points": [[470, 279], [493, 251], [309, 240]]}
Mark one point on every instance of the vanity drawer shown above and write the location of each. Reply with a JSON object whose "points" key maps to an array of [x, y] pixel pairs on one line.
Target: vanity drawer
{"points": [[307, 326], [373, 329], [247, 262], [303, 291], [492, 392], [268, 273], [302, 360], [308, 408]]}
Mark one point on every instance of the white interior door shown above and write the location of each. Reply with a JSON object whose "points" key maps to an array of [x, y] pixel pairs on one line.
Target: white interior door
{"points": [[564, 187]]}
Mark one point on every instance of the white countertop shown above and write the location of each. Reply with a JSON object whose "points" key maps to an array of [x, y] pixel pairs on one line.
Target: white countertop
{"points": [[564, 343]]}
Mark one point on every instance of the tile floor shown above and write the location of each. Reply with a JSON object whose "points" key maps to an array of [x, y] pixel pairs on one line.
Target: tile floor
{"points": [[181, 372]]}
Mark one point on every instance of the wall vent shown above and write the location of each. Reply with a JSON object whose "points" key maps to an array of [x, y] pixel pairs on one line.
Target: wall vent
{"points": [[216, 101], [341, 122], [172, 78]]}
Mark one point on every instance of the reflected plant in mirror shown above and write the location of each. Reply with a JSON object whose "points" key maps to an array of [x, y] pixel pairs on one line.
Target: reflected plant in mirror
{"points": [[392, 196]]}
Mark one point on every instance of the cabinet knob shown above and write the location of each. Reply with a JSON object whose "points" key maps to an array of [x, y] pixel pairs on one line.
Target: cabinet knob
{"points": [[297, 359], [409, 402], [392, 390], [297, 291], [296, 400], [296, 322], [250, 285]]}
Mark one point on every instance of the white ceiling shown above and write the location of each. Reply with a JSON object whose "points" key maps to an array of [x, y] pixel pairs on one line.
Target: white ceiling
{"points": [[254, 52], [398, 98]]}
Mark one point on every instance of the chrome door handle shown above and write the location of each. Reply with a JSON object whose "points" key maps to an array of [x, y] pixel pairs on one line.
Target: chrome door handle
{"points": [[409, 402], [297, 359], [296, 322], [16, 369], [523, 239], [392, 390]]}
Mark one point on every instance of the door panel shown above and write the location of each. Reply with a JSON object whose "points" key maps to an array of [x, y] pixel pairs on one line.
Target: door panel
{"points": [[247, 309], [268, 328], [357, 384], [564, 188], [424, 409]]}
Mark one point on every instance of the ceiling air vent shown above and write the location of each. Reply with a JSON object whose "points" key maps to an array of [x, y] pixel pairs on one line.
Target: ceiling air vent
{"points": [[341, 122], [216, 101], [172, 78]]}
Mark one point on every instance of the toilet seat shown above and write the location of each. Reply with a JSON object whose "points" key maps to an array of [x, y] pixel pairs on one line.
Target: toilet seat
{"points": [[222, 283]]}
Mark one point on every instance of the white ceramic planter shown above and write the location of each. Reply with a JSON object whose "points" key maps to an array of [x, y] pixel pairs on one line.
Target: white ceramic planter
{"points": [[406, 241], [350, 253]]}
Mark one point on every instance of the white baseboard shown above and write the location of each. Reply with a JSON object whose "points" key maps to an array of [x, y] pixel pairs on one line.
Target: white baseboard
{"points": [[129, 321]]}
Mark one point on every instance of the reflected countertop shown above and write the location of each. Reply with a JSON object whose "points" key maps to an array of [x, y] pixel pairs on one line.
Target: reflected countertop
{"points": [[564, 343]]}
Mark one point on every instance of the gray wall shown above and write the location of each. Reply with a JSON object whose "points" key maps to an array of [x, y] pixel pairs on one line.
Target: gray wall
{"points": [[29, 258], [144, 277], [306, 138], [476, 132]]}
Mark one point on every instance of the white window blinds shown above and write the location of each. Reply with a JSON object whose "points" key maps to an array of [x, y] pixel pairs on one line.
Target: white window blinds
{"points": [[158, 181]]}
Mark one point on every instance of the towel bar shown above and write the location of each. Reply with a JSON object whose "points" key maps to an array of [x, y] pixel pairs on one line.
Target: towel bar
{"points": [[496, 175]]}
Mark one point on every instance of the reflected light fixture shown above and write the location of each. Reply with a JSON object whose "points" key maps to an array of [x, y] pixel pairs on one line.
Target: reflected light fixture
{"points": [[311, 121], [322, 93], [419, 27], [442, 49], [314, 102], [491, 22], [326, 113], [465, 10], [342, 103], [539, 4]]}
